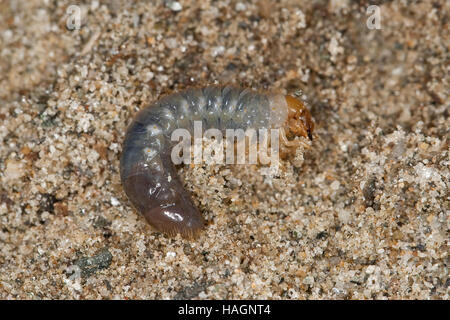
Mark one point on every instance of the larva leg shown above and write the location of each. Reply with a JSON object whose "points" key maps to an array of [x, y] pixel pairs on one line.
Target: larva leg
{"points": [[292, 143]]}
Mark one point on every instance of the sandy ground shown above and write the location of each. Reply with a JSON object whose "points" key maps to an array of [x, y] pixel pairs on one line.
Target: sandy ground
{"points": [[363, 216]]}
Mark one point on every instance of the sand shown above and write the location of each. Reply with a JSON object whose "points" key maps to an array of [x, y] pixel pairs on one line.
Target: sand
{"points": [[362, 215]]}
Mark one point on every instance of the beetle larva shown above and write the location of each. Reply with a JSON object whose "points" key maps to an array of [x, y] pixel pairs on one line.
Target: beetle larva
{"points": [[148, 174]]}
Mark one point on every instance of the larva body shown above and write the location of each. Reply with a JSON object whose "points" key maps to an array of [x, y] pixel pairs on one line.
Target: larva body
{"points": [[148, 174]]}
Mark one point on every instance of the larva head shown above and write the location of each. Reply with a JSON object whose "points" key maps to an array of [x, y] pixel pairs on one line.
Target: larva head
{"points": [[299, 122]]}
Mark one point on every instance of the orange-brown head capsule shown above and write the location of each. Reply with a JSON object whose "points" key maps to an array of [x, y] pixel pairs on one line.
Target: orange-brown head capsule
{"points": [[299, 121]]}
